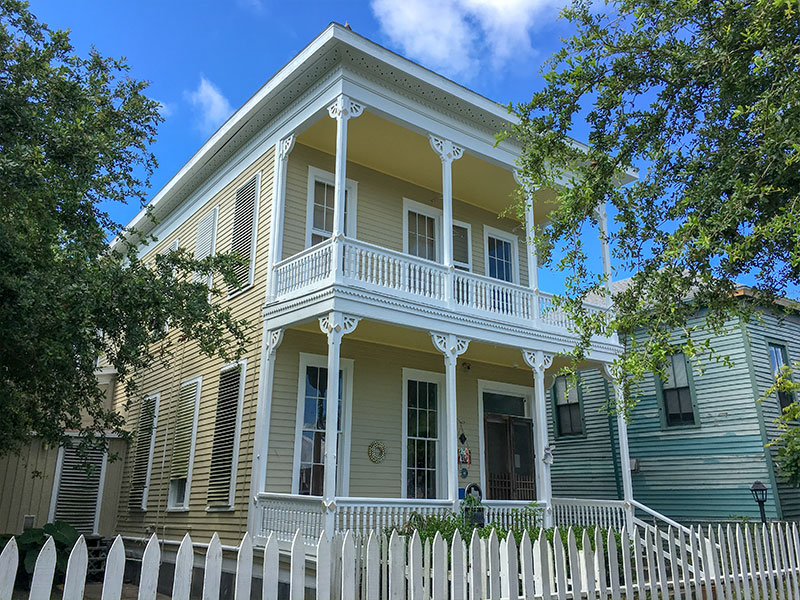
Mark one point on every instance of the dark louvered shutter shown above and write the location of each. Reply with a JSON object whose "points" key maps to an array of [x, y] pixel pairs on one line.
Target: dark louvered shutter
{"points": [[242, 243], [78, 488], [222, 450], [141, 459]]}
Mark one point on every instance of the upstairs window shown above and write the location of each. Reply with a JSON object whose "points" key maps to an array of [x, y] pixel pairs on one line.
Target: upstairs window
{"points": [[243, 237], [321, 193], [421, 236], [501, 255], [778, 359], [677, 393], [569, 419]]}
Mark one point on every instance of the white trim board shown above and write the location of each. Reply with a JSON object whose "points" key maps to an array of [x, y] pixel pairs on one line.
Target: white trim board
{"points": [[346, 366]]}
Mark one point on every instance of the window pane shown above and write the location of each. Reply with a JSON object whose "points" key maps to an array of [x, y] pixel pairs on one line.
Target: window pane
{"points": [[561, 390], [575, 418], [460, 245], [679, 378], [500, 264]]}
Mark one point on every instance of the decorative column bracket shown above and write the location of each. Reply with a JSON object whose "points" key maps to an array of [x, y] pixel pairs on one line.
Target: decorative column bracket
{"points": [[446, 149], [275, 339], [284, 148], [338, 323], [537, 360], [344, 108], [449, 344]]}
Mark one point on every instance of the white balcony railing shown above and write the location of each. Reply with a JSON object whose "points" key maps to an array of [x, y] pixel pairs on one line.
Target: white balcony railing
{"points": [[580, 511], [408, 277], [363, 515], [284, 514]]}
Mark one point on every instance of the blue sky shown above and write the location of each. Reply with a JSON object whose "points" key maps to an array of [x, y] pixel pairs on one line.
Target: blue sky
{"points": [[204, 59]]}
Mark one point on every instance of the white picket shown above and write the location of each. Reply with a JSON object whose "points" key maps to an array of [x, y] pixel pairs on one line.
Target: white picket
{"points": [[768, 561], [42, 582], [426, 570], [672, 542], [493, 565], [792, 561], [148, 578], [650, 562], [697, 567], [686, 576], [184, 561], [794, 549], [348, 566], [439, 575], [509, 570], [779, 549], [734, 572], [77, 564], [658, 548], [560, 564], [574, 564], [213, 569], [323, 574], [457, 574], [526, 566], [373, 566], [415, 574], [713, 561], [397, 566], [476, 573], [756, 563], [545, 562], [114, 571], [244, 569], [297, 567], [600, 564], [627, 573], [9, 561], [743, 567], [613, 565], [269, 577]]}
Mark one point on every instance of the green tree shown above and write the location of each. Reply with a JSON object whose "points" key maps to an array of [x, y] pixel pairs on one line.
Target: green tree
{"points": [[703, 97], [74, 139]]}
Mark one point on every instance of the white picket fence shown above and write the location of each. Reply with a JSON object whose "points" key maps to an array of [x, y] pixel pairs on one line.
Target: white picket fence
{"points": [[729, 563]]}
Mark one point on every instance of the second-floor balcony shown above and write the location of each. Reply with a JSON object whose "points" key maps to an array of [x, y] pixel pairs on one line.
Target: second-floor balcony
{"points": [[381, 271]]}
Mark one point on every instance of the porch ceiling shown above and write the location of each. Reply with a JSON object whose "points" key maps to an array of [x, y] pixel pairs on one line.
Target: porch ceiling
{"points": [[379, 144]]}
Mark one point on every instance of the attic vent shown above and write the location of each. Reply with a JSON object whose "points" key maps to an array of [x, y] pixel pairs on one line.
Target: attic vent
{"points": [[76, 501]]}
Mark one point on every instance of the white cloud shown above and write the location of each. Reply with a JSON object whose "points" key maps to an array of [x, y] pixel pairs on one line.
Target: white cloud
{"points": [[214, 107], [166, 110], [459, 37]]}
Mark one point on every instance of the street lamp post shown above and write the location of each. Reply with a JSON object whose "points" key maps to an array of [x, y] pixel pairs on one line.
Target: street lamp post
{"points": [[759, 491]]}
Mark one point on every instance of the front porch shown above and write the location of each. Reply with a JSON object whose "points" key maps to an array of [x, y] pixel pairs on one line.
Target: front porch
{"points": [[446, 413]]}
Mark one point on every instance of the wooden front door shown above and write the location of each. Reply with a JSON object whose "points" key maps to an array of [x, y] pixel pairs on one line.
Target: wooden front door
{"points": [[509, 457]]}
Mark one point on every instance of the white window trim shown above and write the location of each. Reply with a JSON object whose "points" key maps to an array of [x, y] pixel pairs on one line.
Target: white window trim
{"points": [[254, 237], [506, 236], [468, 227], [315, 174], [439, 380], [511, 389], [171, 505], [346, 367], [429, 211], [236, 436], [51, 513]]}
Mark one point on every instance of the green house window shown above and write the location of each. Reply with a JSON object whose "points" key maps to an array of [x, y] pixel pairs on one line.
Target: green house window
{"points": [[778, 360], [568, 408], [677, 393]]}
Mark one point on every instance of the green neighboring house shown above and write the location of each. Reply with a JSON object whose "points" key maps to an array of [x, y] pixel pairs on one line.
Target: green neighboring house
{"points": [[697, 441]]}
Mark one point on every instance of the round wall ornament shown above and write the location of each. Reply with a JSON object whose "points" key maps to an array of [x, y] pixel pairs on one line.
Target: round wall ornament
{"points": [[376, 451]]}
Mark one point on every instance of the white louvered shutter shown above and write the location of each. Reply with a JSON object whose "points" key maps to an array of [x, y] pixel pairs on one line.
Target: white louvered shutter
{"points": [[76, 500], [222, 450], [171, 248], [206, 241], [184, 428], [242, 240], [144, 446]]}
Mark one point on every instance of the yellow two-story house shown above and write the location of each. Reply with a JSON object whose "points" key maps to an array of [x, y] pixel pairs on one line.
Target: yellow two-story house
{"points": [[383, 288]]}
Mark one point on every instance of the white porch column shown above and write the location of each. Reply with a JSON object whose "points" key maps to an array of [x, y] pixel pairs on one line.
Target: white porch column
{"points": [[539, 362], [624, 451], [282, 150], [448, 152], [341, 110], [270, 340], [451, 347], [602, 220], [336, 325], [533, 257]]}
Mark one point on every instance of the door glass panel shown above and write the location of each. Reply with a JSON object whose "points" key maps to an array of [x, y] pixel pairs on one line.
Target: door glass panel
{"points": [[503, 404]]}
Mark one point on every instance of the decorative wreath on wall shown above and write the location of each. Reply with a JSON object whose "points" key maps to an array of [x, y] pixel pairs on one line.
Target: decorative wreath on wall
{"points": [[376, 451]]}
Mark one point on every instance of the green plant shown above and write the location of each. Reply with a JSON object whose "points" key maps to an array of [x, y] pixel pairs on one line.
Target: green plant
{"points": [[31, 542]]}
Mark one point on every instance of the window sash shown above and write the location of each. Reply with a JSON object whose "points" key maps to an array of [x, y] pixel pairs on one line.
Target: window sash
{"points": [[501, 259], [568, 407], [311, 474], [422, 235], [322, 211], [422, 438], [678, 406], [778, 360]]}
